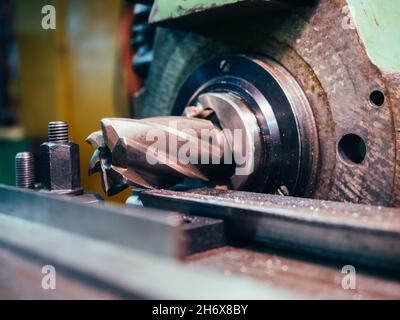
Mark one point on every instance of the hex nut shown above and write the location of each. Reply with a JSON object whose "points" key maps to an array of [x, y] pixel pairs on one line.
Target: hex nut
{"points": [[60, 167]]}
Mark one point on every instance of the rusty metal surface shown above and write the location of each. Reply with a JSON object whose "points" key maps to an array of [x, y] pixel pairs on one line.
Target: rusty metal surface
{"points": [[308, 278], [352, 233], [120, 271], [393, 85], [21, 276], [348, 77], [329, 61]]}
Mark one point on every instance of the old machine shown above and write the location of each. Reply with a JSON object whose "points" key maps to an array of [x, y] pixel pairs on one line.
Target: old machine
{"points": [[272, 170]]}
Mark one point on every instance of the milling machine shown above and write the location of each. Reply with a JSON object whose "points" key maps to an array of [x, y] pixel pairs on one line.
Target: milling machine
{"points": [[308, 189], [304, 80]]}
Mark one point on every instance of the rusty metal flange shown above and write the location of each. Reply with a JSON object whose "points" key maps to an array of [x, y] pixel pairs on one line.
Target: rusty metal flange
{"points": [[357, 138]]}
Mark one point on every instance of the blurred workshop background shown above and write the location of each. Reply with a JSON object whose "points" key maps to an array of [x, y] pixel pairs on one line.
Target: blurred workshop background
{"points": [[79, 73]]}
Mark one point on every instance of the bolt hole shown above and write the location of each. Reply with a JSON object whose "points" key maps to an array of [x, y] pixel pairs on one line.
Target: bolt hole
{"points": [[377, 98], [352, 148]]}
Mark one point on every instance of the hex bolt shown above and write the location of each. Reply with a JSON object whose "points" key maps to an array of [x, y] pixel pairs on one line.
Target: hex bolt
{"points": [[60, 161], [224, 66], [283, 191], [24, 170], [58, 132]]}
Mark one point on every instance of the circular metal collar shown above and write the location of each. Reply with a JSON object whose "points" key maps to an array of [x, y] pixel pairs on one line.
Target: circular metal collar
{"points": [[287, 152]]}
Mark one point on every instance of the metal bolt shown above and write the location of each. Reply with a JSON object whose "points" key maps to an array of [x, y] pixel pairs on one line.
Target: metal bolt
{"points": [[59, 161], [58, 132], [224, 66], [283, 191], [24, 170]]}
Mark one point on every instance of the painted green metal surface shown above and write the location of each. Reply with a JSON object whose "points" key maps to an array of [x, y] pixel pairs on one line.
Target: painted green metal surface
{"points": [[378, 24], [169, 9]]}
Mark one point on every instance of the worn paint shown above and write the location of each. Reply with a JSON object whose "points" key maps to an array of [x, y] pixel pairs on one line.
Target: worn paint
{"points": [[378, 25], [169, 9]]}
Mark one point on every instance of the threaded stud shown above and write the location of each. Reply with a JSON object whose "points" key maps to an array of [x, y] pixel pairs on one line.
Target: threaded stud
{"points": [[58, 132], [24, 170]]}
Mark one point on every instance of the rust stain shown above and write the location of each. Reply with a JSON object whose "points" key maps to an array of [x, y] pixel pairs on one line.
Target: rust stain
{"points": [[309, 278]]}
